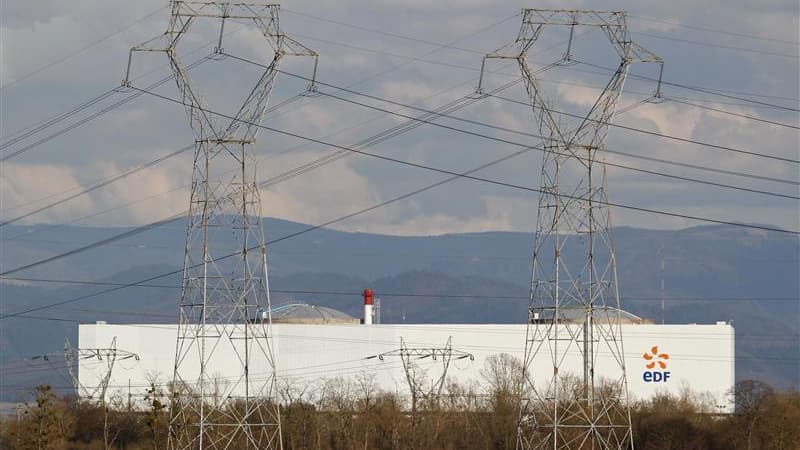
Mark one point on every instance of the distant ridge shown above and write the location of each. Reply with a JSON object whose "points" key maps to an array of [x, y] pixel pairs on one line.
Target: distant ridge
{"points": [[710, 272]]}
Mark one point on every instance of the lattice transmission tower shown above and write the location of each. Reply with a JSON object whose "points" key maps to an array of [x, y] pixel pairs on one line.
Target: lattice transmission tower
{"points": [[409, 356], [96, 390], [224, 319], [574, 311]]}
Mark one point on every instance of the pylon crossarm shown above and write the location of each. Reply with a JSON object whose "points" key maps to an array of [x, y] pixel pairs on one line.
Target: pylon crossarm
{"points": [[291, 47], [424, 353], [573, 17], [226, 9], [409, 356], [73, 357]]}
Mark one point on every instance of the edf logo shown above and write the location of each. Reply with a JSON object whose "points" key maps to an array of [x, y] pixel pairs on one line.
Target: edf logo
{"points": [[655, 358]]}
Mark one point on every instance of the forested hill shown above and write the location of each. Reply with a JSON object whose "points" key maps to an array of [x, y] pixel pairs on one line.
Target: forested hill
{"points": [[710, 273]]}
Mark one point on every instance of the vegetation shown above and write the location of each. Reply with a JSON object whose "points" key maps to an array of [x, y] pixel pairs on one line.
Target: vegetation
{"points": [[355, 415]]}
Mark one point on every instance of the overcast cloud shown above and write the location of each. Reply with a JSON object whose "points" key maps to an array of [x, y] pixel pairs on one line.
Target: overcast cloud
{"points": [[35, 34]]}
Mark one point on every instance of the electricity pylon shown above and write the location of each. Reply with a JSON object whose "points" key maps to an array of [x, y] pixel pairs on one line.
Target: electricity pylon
{"points": [[224, 304], [72, 359], [74, 356], [409, 356], [574, 302]]}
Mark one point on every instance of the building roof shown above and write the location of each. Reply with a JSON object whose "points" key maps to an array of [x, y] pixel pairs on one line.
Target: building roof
{"points": [[578, 314], [305, 313]]}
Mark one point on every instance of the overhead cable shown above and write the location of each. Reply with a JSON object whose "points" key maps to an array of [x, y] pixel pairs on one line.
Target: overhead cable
{"points": [[714, 30], [715, 45], [483, 180], [329, 292], [80, 50], [95, 115]]}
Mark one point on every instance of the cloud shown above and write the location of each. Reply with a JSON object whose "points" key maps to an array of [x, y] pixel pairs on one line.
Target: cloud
{"points": [[147, 196], [22, 185], [406, 91], [322, 195], [498, 216], [36, 34]]}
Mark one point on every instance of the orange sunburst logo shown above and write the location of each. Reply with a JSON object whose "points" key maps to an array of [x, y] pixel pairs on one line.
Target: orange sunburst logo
{"points": [[656, 358]]}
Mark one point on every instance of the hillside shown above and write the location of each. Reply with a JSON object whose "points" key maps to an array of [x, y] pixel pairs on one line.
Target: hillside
{"points": [[711, 273]]}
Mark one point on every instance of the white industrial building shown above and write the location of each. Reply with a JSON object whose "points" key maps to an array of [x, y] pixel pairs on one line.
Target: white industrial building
{"points": [[312, 344]]}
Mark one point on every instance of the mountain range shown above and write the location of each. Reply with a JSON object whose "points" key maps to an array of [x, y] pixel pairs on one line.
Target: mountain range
{"points": [[709, 273]]}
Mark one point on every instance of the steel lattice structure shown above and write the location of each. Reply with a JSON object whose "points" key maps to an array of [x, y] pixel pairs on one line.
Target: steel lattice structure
{"points": [[72, 358], [409, 355], [110, 355], [574, 301], [225, 299]]}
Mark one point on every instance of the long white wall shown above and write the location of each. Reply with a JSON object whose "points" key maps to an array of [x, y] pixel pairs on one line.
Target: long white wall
{"points": [[701, 357]]}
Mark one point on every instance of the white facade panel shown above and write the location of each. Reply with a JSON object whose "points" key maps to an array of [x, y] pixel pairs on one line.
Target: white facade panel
{"points": [[701, 357]]}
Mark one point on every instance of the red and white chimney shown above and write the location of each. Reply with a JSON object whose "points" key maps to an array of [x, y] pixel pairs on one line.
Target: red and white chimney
{"points": [[368, 302]]}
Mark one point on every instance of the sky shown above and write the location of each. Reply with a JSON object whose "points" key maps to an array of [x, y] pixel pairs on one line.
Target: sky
{"points": [[56, 55]]}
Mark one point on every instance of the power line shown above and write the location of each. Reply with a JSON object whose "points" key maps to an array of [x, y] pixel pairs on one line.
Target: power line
{"points": [[88, 216], [440, 113], [631, 155], [717, 101], [482, 53], [97, 114], [610, 164], [451, 326], [553, 81], [458, 66], [635, 169], [731, 113], [386, 294], [272, 108], [446, 172], [451, 46], [303, 372], [485, 348], [715, 45], [373, 140], [648, 94], [280, 239], [538, 136], [439, 62], [452, 177], [96, 244], [29, 131], [497, 329], [704, 90], [653, 133], [485, 180], [112, 179], [387, 33], [81, 50], [49, 122], [667, 136], [714, 30], [87, 190], [295, 372], [474, 122], [526, 148], [99, 185]]}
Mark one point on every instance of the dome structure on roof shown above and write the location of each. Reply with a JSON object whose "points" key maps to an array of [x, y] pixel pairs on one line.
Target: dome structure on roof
{"points": [[310, 314], [577, 315]]}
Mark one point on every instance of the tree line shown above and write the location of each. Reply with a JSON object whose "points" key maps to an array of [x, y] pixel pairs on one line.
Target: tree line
{"points": [[355, 414]]}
